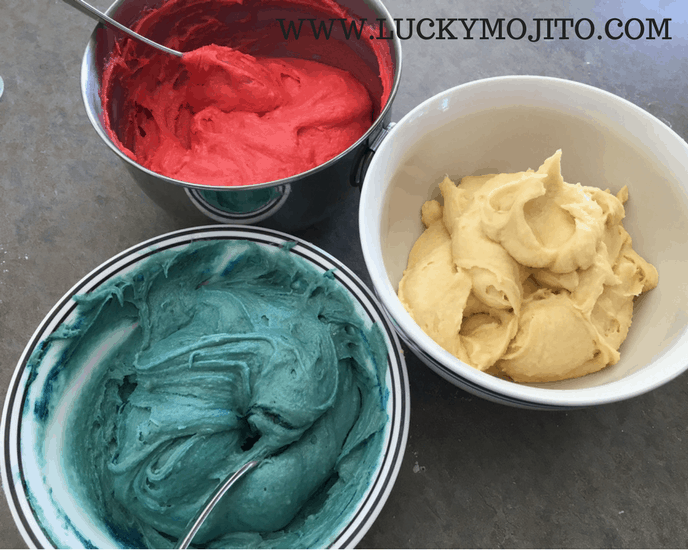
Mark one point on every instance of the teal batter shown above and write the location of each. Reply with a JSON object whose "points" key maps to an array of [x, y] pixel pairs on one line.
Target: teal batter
{"points": [[233, 352]]}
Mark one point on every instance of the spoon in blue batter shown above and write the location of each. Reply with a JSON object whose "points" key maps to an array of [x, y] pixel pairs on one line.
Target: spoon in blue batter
{"points": [[213, 499]]}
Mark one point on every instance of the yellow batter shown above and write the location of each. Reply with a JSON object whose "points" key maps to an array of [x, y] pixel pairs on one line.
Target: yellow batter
{"points": [[526, 276]]}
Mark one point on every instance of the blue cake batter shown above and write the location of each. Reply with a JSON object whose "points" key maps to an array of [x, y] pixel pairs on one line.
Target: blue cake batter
{"points": [[235, 352]]}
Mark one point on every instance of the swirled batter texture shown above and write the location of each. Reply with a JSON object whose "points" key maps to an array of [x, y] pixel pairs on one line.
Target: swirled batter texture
{"points": [[526, 276], [234, 111], [216, 355]]}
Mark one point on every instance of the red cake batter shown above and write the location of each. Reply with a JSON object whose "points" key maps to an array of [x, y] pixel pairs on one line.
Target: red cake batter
{"points": [[222, 116]]}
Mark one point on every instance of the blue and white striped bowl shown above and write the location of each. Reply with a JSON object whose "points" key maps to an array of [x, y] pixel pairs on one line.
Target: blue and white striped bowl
{"points": [[36, 484], [509, 124]]}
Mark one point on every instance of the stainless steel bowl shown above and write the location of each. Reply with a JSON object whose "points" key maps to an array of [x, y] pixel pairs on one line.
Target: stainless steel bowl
{"points": [[288, 204]]}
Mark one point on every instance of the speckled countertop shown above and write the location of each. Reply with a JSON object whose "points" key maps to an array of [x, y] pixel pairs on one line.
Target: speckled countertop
{"points": [[475, 474]]}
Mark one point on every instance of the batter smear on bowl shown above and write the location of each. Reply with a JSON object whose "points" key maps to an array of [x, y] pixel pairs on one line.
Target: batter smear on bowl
{"points": [[526, 276], [237, 110]]}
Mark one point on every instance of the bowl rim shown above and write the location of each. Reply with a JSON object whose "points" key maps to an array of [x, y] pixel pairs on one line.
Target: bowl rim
{"points": [[374, 128], [448, 366], [398, 395]]}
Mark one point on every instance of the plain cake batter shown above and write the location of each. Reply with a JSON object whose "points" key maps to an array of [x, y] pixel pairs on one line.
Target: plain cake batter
{"points": [[526, 276]]}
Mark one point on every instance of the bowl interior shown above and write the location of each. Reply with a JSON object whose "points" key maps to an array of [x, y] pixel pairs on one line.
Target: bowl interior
{"points": [[253, 28], [50, 503], [509, 124]]}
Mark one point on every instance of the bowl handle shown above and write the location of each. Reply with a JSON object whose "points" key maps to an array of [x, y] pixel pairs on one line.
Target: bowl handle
{"points": [[361, 165]]}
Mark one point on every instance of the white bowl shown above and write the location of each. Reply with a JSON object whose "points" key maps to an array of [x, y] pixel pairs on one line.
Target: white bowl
{"points": [[509, 124], [49, 510]]}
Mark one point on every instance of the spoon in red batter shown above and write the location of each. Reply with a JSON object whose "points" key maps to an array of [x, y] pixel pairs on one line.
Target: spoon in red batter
{"points": [[89, 10], [209, 62]]}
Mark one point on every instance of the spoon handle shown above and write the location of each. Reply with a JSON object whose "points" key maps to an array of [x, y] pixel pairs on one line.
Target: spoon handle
{"points": [[195, 523], [89, 10]]}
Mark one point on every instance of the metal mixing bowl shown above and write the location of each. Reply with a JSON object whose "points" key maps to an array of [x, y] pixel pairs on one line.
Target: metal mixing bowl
{"points": [[288, 204]]}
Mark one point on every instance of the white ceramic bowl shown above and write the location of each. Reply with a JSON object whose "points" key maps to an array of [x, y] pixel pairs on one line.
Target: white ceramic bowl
{"points": [[509, 124], [37, 483]]}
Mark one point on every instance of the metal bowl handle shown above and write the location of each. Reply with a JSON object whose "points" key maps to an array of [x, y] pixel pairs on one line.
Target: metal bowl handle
{"points": [[361, 165]]}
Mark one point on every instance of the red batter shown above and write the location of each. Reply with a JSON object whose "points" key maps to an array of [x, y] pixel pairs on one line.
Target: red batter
{"points": [[224, 117]]}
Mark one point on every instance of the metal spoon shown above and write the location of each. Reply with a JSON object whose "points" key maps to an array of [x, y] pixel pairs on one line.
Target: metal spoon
{"points": [[89, 10], [196, 522]]}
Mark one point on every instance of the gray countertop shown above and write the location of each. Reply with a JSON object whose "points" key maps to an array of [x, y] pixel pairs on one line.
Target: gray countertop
{"points": [[475, 474]]}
